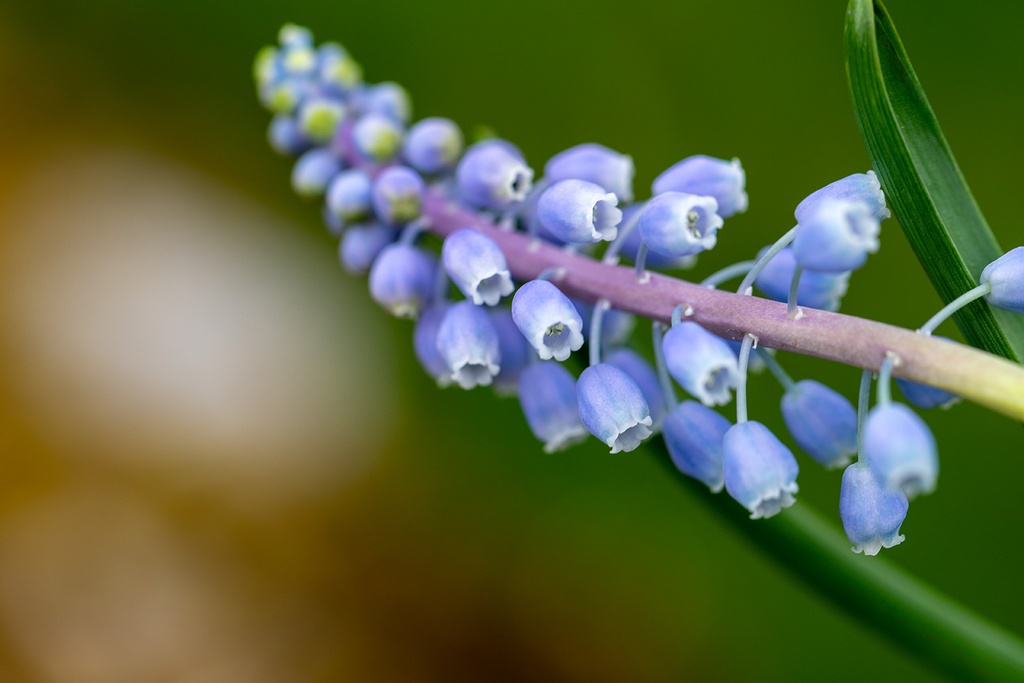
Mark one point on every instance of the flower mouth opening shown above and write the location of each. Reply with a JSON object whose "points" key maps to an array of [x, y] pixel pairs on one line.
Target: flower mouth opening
{"points": [[606, 217], [490, 289], [631, 437], [474, 374], [773, 502], [520, 183], [717, 384]]}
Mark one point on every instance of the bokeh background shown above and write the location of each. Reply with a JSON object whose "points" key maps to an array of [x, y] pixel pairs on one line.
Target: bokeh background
{"points": [[219, 460]]}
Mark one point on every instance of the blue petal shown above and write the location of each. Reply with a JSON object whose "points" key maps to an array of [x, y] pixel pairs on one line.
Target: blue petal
{"points": [[836, 236], [694, 434], [900, 449], [871, 513], [361, 244], [424, 341], [710, 177], [547, 319], [493, 175], [376, 138], [313, 170], [702, 363], [468, 342], [857, 187], [398, 195], [759, 471], [477, 265], [515, 353], [579, 211], [817, 290], [1006, 275], [349, 196], [547, 394], [612, 407], [677, 224], [641, 372], [433, 145], [924, 396], [596, 164], [402, 279], [822, 421]]}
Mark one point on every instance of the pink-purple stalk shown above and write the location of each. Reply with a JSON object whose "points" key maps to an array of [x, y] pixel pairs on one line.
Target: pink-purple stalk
{"points": [[972, 374]]}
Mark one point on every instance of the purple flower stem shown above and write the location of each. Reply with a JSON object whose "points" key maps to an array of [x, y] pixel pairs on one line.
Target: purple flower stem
{"points": [[975, 375]]}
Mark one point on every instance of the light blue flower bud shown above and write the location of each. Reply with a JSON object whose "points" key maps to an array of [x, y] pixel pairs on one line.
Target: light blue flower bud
{"points": [[336, 70], [398, 195], [1006, 276], [709, 177], [822, 422], [402, 279], [515, 353], [631, 244], [282, 95], [596, 164], [924, 396], [350, 195], [547, 319], [318, 117], [433, 145], [424, 343], [680, 224], [694, 434], [313, 170], [836, 236], [468, 342], [859, 186], [361, 244], [265, 67], [493, 175], [293, 35], [387, 99], [477, 266], [871, 513], [702, 363], [900, 449], [612, 407], [641, 372], [285, 137], [547, 393], [759, 471], [376, 138], [579, 211], [335, 226], [616, 326], [817, 290]]}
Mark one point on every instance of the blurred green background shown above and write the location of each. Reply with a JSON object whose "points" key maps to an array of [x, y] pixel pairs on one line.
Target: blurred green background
{"points": [[220, 461]]}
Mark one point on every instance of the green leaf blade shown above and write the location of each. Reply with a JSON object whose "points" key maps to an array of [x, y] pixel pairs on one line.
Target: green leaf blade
{"points": [[920, 176]]}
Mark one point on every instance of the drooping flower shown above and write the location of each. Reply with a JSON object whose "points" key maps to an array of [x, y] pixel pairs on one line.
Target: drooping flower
{"points": [[398, 195], [759, 471], [595, 164], [468, 342], [579, 211], [477, 266], [678, 224], [547, 394], [702, 363], [709, 177], [694, 435], [836, 236], [871, 513], [547, 319], [361, 244], [641, 372], [900, 449], [402, 279], [817, 290], [612, 407], [493, 175], [433, 145], [1006, 277], [822, 421]]}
